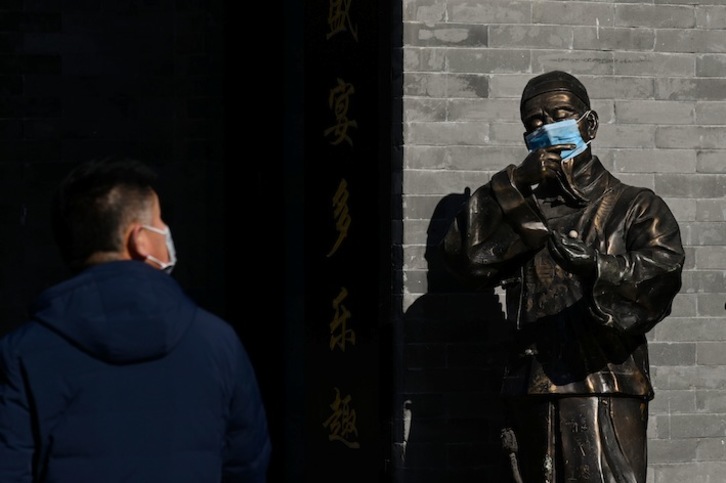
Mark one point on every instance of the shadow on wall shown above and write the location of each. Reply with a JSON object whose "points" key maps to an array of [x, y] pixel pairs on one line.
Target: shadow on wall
{"points": [[455, 345]]}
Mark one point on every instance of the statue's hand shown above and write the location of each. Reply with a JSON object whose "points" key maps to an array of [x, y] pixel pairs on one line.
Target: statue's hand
{"points": [[540, 164], [572, 254]]}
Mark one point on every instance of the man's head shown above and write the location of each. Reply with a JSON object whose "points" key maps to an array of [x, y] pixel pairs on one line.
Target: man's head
{"points": [[108, 210], [555, 110], [557, 96]]}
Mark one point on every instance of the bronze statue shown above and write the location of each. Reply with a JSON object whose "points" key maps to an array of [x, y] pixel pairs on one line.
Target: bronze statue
{"points": [[589, 266]]}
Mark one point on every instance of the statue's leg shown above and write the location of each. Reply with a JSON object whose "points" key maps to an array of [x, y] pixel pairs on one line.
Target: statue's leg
{"points": [[603, 439]]}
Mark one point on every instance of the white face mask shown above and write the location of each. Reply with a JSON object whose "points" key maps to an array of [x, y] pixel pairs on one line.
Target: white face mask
{"points": [[167, 267]]}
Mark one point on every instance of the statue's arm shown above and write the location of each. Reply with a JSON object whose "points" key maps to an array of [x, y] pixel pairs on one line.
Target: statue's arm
{"points": [[634, 291], [494, 228]]}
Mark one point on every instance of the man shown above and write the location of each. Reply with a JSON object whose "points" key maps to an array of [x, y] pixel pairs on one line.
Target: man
{"points": [[589, 265], [119, 376]]}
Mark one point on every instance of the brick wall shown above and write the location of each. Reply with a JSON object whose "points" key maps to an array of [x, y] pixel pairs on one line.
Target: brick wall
{"points": [[656, 73]]}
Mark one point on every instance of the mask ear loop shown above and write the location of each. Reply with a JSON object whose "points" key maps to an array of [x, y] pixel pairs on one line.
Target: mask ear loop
{"points": [[567, 184]]}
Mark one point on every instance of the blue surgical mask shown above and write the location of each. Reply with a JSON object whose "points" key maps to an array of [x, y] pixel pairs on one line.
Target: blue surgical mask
{"points": [[561, 132], [169, 266]]}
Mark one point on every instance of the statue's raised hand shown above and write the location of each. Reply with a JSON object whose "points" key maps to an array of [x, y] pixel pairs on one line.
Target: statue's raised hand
{"points": [[540, 164]]}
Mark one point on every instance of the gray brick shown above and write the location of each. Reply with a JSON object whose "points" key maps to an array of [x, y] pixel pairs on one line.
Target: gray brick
{"points": [[636, 179], [606, 38], [710, 257], [700, 89], [446, 133], [711, 401], [487, 61], [691, 186], [680, 40], [711, 377], [424, 85], [711, 449], [683, 209], [712, 353], [605, 110], [686, 233], [652, 16], [711, 112], [427, 157], [466, 85], [432, 13], [703, 281], [509, 85], [424, 109], [655, 112], [507, 134], [711, 210], [606, 157], [698, 472], [445, 35], [490, 12], [653, 64], [658, 427], [673, 377], [494, 110], [672, 353], [421, 59], [705, 137], [467, 158], [711, 65], [532, 36], [655, 160], [687, 328], [690, 263], [711, 16], [673, 401], [441, 182], [711, 304], [711, 233], [711, 162], [572, 13], [621, 87], [671, 451], [682, 2], [684, 305], [626, 135], [697, 425]]}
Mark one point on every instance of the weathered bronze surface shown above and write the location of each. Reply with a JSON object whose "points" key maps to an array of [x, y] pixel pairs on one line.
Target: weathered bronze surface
{"points": [[589, 265]]}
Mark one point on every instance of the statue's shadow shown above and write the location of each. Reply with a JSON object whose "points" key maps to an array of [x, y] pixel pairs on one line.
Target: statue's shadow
{"points": [[454, 348]]}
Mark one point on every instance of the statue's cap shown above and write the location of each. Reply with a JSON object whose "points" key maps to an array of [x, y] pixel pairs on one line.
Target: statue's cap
{"points": [[555, 80]]}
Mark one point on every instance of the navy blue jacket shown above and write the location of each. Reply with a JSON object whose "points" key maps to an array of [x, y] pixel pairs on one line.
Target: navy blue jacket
{"points": [[120, 377]]}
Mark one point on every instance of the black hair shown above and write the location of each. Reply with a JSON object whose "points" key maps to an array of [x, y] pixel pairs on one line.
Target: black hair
{"points": [[94, 202]]}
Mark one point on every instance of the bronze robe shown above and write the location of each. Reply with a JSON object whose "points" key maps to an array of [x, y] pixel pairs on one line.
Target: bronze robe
{"points": [[573, 336]]}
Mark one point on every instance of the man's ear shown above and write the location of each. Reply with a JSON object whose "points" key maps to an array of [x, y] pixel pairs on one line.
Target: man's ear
{"points": [[136, 242], [593, 122]]}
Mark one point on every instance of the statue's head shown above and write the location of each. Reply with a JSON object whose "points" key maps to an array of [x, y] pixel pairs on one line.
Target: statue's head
{"points": [[555, 110]]}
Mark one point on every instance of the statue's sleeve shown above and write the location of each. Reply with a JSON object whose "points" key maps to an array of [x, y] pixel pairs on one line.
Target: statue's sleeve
{"points": [[635, 290], [495, 228]]}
